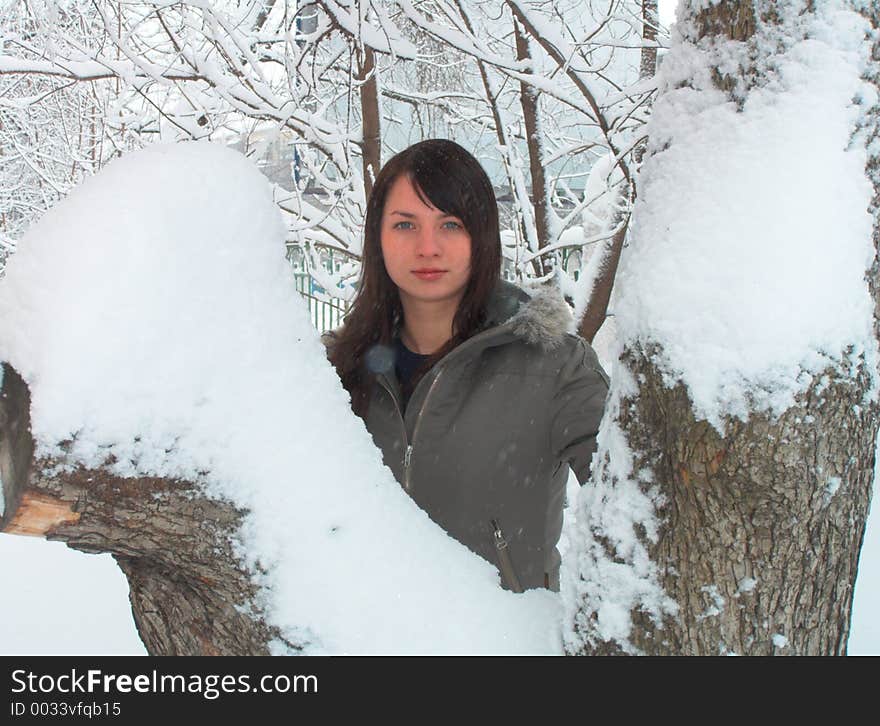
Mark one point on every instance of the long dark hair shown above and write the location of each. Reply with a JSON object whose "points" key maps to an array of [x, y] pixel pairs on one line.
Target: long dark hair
{"points": [[452, 180]]}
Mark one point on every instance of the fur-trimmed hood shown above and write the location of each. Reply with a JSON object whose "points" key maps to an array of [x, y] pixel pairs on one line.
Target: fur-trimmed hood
{"points": [[539, 316]]}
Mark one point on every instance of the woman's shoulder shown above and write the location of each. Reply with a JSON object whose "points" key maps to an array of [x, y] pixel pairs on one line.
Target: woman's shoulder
{"points": [[543, 319], [580, 360], [543, 330]]}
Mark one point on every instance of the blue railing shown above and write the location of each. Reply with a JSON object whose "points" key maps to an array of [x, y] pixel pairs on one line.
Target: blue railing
{"points": [[326, 311]]}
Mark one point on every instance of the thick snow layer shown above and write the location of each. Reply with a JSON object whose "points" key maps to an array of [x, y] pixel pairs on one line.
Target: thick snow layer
{"points": [[155, 318], [600, 591], [751, 236]]}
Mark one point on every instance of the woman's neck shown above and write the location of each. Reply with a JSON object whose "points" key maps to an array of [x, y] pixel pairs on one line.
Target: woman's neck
{"points": [[427, 326]]}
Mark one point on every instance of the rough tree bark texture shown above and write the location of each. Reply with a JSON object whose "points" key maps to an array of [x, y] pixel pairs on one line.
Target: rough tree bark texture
{"points": [[762, 528], [760, 505], [189, 593]]}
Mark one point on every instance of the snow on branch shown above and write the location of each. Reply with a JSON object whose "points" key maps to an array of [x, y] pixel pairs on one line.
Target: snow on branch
{"points": [[206, 370]]}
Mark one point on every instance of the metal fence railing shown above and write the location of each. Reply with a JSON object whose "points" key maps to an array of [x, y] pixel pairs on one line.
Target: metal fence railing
{"points": [[326, 311]]}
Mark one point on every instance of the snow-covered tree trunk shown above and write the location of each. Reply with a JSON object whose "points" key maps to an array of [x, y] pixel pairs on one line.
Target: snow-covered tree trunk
{"points": [[736, 528], [189, 593], [763, 526]]}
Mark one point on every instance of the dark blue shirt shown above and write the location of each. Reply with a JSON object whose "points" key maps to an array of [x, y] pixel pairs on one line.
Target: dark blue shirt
{"points": [[406, 363]]}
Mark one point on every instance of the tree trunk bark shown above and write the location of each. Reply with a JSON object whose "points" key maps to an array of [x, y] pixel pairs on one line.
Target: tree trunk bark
{"points": [[371, 134], [597, 308], [762, 527], [648, 60], [189, 594]]}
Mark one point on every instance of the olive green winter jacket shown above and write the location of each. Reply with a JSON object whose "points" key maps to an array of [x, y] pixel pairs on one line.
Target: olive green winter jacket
{"points": [[490, 431]]}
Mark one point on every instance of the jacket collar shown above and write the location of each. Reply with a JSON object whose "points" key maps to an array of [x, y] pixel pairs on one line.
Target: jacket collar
{"points": [[538, 316]]}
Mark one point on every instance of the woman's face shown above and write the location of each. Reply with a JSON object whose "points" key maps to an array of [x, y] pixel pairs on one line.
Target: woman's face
{"points": [[427, 252]]}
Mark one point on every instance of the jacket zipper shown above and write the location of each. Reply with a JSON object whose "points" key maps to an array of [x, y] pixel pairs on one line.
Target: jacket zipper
{"points": [[504, 561], [407, 457], [408, 453], [407, 483]]}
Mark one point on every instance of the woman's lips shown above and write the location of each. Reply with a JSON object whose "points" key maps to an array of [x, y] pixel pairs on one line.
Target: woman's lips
{"points": [[429, 274]]}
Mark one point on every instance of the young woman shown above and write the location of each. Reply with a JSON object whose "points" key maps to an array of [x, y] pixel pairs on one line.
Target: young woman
{"points": [[477, 396]]}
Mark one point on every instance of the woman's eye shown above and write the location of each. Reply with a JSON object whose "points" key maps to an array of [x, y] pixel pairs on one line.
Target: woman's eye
{"points": [[452, 225], [403, 225]]}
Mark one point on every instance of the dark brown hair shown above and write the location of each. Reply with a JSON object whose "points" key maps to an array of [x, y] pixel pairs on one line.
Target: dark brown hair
{"points": [[451, 180]]}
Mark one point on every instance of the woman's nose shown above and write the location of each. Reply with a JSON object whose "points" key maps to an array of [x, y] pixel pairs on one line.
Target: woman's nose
{"points": [[427, 244]]}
